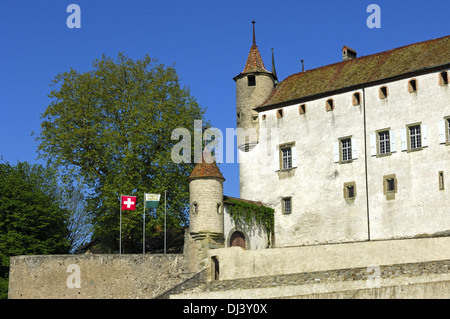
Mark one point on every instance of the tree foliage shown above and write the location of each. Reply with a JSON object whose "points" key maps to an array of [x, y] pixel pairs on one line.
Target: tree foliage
{"points": [[32, 220], [110, 128]]}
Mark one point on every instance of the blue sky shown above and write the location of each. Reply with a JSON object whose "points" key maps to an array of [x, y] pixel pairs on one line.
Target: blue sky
{"points": [[208, 41]]}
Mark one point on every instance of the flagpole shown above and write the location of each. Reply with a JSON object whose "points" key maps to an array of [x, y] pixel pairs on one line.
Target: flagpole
{"points": [[120, 227], [165, 208], [143, 230]]}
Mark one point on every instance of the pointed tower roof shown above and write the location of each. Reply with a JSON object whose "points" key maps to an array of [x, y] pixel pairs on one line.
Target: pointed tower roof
{"points": [[206, 168], [254, 60]]}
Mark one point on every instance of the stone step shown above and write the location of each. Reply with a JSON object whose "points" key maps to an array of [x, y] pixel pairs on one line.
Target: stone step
{"points": [[427, 286], [339, 279]]}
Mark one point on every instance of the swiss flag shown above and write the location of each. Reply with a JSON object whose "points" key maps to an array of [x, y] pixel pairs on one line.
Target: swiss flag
{"points": [[128, 202]]}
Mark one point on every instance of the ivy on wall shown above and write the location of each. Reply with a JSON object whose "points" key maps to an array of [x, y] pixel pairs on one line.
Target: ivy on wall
{"points": [[251, 214]]}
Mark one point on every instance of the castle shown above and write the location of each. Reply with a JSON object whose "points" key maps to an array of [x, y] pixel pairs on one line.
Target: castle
{"points": [[352, 151], [348, 161]]}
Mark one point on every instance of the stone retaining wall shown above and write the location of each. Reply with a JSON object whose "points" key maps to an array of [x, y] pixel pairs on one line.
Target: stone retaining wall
{"points": [[94, 276]]}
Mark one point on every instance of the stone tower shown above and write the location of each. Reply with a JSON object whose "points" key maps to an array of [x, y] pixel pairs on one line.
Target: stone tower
{"points": [[253, 86], [206, 212]]}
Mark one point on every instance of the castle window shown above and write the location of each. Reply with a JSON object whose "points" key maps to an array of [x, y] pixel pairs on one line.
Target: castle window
{"points": [[384, 143], [346, 149], [264, 117], [329, 106], [238, 117], [415, 140], [441, 180], [279, 114], [195, 208], [414, 137], [254, 118], [383, 92], [390, 186], [302, 109], [286, 156], [349, 191], [412, 86], [251, 80], [287, 205], [443, 78], [356, 100], [219, 208]]}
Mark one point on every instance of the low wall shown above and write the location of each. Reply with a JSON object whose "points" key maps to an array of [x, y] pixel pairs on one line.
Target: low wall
{"points": [[94, 276], [235, 263]]}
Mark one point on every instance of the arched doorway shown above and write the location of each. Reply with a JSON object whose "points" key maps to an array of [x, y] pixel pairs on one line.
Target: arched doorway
{"points": [[238, 240]]}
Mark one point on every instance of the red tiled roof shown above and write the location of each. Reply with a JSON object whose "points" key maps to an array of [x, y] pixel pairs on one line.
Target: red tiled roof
{"points": [[254, 61], [356, 72], [204, 169]]}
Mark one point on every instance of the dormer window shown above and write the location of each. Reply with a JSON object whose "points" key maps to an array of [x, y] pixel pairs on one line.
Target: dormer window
{"points": [[251, 80]]}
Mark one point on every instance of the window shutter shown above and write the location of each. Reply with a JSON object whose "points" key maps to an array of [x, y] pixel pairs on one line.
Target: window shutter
{"points": [[442, 136], [277, 160], [424, 135], [294, 156], [392, 139], [404, 144], [373, 145], [336, 152], [354, 148]]}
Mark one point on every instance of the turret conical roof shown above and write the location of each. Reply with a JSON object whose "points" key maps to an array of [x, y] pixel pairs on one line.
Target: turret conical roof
{"points": [[206, 168]]}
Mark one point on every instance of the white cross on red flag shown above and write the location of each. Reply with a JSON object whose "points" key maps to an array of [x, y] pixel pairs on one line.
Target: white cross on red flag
{"points": [[128, 202]]}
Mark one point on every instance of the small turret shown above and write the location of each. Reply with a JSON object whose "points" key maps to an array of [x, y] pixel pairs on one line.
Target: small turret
{"points": [[206, 197], [206, 223]]}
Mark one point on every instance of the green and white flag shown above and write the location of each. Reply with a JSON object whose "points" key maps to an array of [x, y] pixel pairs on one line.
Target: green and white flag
{"points": [[152, 200]]}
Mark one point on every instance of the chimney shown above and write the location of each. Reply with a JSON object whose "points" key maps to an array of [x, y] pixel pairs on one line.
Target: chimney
{"points": [[348, 53]]}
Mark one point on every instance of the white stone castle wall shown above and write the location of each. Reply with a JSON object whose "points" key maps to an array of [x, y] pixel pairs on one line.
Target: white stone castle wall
{"points": [[256, 237], [320, 212]]}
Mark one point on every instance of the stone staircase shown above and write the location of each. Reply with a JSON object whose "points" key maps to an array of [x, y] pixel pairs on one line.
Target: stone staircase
{"points": [[424, 280]]}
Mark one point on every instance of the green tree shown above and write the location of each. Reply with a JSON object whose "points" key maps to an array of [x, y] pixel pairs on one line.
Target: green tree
{"points": [[111, 127], [31, 218]]}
